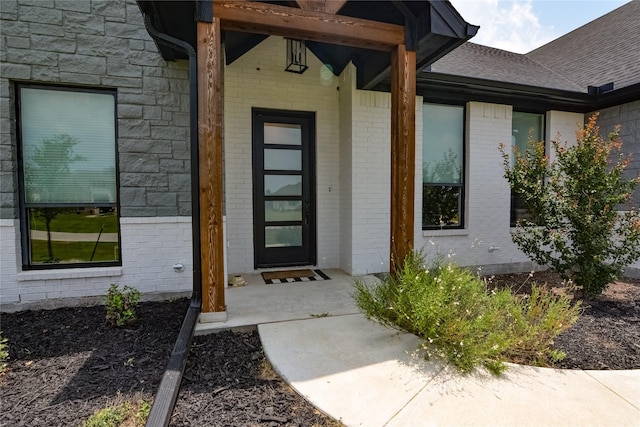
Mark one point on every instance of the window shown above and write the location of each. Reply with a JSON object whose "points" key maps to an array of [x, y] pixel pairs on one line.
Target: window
{"points": [[68, 189], [523, 126], [443, 166]]}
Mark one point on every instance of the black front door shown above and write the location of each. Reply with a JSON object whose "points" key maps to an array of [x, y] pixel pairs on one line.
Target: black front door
{"points": [[284, 202]]}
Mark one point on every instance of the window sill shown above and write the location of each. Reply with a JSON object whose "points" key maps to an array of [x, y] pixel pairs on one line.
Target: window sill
{"points": [[445, 233], [70, 273]]}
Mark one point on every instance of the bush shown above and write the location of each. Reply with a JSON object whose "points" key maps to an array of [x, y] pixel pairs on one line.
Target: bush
{"points": [[121, 305], [450, 309], [576, 228]]}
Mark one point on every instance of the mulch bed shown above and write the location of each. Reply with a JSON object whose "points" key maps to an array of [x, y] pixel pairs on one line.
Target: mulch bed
{"points": [[67, 363]]}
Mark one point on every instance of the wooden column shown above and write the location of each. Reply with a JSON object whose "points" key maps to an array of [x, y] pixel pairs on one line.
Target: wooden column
{"points": [[403, 154], [210, 121]]}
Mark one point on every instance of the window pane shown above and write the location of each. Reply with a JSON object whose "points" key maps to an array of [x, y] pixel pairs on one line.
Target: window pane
{"points": [[73, 235], [282, 133], [68, 142], [443, 144], [283, 210], [287, 160], [283, 185], [441, 206], [525, 124], [283, 236]]}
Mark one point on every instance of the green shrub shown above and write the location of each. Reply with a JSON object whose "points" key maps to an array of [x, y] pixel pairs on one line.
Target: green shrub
{"points": [[576, 228], [450, 309], [121, 305], [4, 353]]}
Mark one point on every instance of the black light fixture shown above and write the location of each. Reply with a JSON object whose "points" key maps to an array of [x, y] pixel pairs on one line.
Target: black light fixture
{"points": [[296, 56]]}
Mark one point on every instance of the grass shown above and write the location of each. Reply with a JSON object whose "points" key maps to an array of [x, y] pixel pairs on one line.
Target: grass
{"points": [[4, 353], [78, 223], [130, 414], [73, 251], [458, 319]]}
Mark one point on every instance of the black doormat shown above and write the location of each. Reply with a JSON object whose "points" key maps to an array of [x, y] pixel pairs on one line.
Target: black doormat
{"points": [[291, 276]]}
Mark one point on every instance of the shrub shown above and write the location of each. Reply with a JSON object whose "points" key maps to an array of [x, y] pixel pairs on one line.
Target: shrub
{"points": [[121, 305], [450, 309], [4, 353], [576, 228]]}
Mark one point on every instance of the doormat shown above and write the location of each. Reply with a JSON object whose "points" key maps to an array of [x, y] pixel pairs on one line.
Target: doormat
{"points": [[290, 276]]}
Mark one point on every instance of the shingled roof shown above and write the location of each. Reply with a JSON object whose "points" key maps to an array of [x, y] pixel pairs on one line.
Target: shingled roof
{"points": [[604, 50], [488, 63]]}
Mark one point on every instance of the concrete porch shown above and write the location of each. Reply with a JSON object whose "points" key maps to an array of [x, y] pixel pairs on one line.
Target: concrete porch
{"points": [[258, 303]]}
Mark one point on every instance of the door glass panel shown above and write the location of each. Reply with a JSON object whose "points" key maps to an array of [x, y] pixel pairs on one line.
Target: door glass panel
{"points": [[282, 133], [283, 210], [283, 236], [283, 185], [287, 160]]}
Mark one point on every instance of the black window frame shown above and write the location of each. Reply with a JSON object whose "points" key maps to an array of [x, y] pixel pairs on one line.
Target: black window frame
{"points": [[463, 174], [24, 206]]}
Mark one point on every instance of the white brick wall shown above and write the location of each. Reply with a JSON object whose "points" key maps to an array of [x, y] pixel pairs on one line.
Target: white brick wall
{"points": [[150, 248], [258, 79]]}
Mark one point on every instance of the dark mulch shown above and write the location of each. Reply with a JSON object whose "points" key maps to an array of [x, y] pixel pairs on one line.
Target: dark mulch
{"points": [[67, 363]]}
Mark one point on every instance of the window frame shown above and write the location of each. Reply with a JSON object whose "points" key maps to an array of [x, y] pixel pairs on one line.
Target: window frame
{"points": [[512, 196], [24, 206], [463, 173]]}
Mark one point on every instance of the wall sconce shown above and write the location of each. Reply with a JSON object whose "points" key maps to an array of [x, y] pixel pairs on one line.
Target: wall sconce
{"points": [[296, 56]]}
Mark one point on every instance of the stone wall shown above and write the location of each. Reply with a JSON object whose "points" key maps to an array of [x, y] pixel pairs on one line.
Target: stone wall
{"points": [[102, 44], [628, 117]]}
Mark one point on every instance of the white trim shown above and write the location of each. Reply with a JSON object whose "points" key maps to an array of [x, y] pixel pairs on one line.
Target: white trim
{"points": [[68, 273], [445, 233], [4, 222], [154, 219]]}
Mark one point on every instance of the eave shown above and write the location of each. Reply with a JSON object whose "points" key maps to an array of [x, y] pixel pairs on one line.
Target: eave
{"points": [[433, 28], [444, 88]]}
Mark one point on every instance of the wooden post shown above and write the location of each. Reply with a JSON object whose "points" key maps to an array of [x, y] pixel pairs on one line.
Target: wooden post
{"points": [[403, 154], [210, 121]]}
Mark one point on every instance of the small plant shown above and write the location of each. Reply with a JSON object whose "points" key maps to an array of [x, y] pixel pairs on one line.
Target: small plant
{"points": [[450, 309], [126, 413], [4, 353], [121, 305], [576, 228]]}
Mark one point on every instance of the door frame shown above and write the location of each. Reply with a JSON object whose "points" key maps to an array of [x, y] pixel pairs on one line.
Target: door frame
{"points": [[309, 169]]}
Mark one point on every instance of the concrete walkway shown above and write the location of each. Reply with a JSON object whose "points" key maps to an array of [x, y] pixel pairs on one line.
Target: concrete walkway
{"points": [[366, 375]]}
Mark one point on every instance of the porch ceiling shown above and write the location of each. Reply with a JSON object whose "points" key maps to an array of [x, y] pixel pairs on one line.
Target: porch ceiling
{"points": [[434, 28]]}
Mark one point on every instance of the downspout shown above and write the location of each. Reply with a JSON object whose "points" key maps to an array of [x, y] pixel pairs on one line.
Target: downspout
{"points": [[167, 393]]}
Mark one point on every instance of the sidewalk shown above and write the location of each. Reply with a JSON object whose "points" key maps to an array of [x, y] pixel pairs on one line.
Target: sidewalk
{"points": [[366, 375]]}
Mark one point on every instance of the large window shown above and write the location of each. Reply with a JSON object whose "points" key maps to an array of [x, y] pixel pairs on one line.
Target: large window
{"points": [[524, 125], [443, 166], [68, 189]]}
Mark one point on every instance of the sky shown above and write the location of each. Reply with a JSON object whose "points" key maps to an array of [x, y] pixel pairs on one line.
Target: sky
{"points": [[523, 25]]}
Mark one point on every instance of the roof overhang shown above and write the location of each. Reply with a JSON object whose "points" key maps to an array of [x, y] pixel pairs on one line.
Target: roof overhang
{"points": [[432, 29], [444, 88]]}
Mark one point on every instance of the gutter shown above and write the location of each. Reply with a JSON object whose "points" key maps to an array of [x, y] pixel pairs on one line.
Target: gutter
{"points": [[167, 393]]}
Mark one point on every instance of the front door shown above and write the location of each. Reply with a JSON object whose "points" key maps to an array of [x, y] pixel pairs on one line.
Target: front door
{"points": [[284, 188]]}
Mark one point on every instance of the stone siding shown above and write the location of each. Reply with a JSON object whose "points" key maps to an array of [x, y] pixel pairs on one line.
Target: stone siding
{"points": [[102, 44], [628, 117]]}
